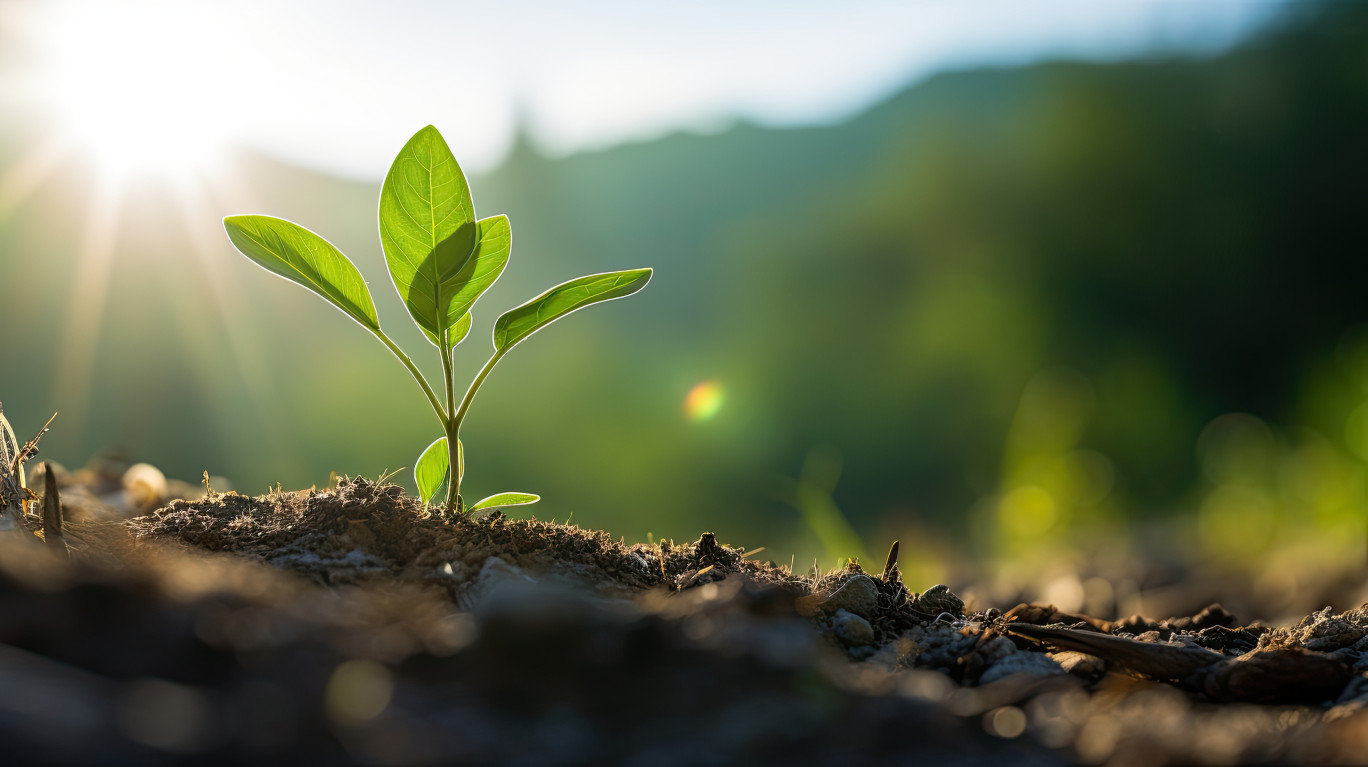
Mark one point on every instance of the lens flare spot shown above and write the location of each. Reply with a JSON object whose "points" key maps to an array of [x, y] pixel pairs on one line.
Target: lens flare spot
{"points": [[703, 401]]}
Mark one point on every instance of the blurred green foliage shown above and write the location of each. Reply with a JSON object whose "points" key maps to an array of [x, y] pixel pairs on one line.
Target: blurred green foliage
{"points": [[1025, 308]]}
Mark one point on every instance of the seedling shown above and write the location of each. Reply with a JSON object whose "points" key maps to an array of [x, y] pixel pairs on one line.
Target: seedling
{"points": [[441, 259]]}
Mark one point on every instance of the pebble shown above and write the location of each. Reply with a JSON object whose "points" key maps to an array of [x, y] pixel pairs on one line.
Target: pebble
{"points": [[1034, 663], [851, 628], [937, 600], [941, 645], [857, 593], [996, 649], [144, 486], [498, 582], [1080, 664], [901, 653]]}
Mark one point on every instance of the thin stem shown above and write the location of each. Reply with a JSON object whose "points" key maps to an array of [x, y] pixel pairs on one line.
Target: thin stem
{"points": [[459, 415], [448, 376], [416, 373], [453, 452]]}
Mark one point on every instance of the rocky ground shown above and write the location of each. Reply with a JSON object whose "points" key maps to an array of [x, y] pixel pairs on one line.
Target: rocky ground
{"points": [[348, 624]]}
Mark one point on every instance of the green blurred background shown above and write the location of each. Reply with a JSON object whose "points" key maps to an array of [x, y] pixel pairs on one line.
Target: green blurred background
{"points": [[1072, 330]]}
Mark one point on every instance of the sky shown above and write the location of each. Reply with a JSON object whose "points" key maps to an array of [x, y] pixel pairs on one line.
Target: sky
{"points": [[338, 85]]}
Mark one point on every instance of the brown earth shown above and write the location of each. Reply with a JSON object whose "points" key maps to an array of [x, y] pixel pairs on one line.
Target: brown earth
{"points": [[351, 625]]}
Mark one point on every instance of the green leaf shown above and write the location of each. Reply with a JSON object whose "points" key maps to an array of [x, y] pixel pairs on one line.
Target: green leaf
{"points": [[517, 324], [460, 291], [457, 333], [301, 256], [431, 470], [482, 270], [504, 499], [427, 228]]}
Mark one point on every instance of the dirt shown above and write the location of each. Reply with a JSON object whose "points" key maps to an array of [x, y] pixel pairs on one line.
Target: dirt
{"points": [[351, 625], [362, 529]]}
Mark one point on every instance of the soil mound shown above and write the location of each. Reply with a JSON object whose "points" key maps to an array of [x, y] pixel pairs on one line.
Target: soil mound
{"points": [[361, 529]]}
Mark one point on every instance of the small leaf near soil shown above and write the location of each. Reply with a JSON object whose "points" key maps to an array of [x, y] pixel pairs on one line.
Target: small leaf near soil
{"points": [[504, 499], [430, 472]]}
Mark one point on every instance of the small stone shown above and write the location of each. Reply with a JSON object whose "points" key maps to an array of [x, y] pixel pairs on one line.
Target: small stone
{"points": [[851, 628], [1081, 664], [144, 486], [858, 594], [996, 649], [499, 584], [941, 645], [901, 653], [937, 600], [1034, 663]]}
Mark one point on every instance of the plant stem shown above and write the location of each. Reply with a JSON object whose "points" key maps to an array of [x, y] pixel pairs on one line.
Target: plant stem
{"points": [[416, 373], [449, 426], [460, 413]]}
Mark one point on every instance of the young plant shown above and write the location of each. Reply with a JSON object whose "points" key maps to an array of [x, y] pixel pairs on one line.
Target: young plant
{"points": [[441, 259]]}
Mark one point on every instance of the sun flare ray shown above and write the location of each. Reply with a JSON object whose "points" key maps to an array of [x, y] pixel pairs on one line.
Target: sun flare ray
{"points": [[76, 360], [196, 213], [32, 169]]}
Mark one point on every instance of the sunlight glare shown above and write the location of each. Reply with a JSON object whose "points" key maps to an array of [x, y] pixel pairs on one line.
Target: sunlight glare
{"points": [[138, 84]]}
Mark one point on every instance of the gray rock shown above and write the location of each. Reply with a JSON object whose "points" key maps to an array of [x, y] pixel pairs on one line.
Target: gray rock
{"points": [[901, 653], [497, 583], [858, 594], [851, 628], [996, 649], [1034, 663], [937, 600], [941, 645]]}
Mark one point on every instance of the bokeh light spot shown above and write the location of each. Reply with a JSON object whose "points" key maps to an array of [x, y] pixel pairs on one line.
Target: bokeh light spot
{"points": [[1027, 511], [1236, 521], [358, 690], [1005, 722], [703, 401]]}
